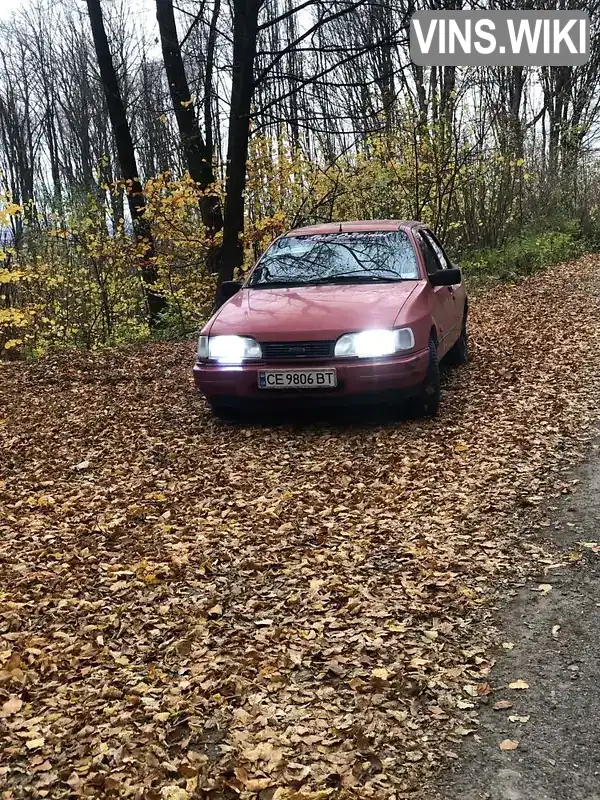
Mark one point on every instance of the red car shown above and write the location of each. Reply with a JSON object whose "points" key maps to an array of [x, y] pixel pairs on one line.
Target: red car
{"points": [[336, 313]]}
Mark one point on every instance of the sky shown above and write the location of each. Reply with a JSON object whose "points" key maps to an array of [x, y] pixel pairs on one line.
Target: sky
{"points": [[141, 7], [141, 10], [6, 6]]}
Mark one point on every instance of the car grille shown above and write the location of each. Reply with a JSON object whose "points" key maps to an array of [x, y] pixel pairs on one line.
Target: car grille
{"points": [[273, 351]]}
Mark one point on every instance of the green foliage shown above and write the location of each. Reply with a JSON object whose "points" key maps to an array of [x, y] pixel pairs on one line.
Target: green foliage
{"points": [[522, 256]]}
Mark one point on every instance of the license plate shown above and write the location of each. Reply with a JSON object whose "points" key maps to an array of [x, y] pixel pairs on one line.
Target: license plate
{"points": [[297, 379]]}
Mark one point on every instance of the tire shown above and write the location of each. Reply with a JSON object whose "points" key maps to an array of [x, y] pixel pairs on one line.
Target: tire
{"points": [[459, 352], [428, 403]]}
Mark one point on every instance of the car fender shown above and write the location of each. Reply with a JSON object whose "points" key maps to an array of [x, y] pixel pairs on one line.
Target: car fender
{"points": [[205, 330], [417, 313]]}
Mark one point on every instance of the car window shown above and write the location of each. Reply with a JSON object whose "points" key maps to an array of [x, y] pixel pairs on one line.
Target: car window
{"points": [[429, 255], [444, 263], [331, 258]]}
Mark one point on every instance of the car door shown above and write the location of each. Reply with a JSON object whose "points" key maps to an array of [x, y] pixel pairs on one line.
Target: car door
{"points": [[459, 295], [444, 304]]}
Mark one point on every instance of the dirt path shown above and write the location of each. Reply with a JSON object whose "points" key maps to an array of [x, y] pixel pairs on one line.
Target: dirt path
{"points": [[556, 637]]}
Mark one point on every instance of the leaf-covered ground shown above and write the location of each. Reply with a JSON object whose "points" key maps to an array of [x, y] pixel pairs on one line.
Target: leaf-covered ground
{"points": [[192, 609]]}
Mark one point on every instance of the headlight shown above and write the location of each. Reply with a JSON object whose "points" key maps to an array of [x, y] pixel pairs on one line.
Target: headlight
{"points": [[374, 344], [228, 349], [202, 352]]}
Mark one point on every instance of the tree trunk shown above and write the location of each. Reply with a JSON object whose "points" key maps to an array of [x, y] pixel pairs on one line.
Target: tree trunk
{"points": [[126, 156], [245, 32], [197, 154]]}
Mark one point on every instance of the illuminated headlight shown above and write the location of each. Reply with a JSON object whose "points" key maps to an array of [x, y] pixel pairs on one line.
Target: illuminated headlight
{"points": [[228, 349], [374, 344]]}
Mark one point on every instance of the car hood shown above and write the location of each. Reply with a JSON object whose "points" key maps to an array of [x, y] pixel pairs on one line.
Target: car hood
{"points": [[311, 312]]}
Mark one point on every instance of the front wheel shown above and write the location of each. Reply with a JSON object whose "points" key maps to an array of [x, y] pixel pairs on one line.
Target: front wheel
{"points": [[428, 402], [459, 352]]}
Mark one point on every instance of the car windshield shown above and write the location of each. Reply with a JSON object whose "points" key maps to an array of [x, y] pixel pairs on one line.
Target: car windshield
{"points": [[337, 258]]}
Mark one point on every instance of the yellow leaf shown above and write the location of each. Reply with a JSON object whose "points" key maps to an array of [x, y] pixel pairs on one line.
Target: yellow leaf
{"points": [[381, 674], [45, 501], [174, 793], [33, 744], [518, 685]]}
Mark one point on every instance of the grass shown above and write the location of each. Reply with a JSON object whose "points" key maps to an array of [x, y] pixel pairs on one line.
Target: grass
{"points": [[523, 256]]}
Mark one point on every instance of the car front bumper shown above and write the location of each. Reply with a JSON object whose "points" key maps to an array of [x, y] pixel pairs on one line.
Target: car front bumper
{"points": [[359, 380]]}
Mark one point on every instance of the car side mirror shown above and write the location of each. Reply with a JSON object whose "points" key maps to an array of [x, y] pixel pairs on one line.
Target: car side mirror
{"points": [[446, 277]]}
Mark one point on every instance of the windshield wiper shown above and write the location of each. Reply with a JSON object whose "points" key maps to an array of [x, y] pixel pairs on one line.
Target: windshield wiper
{"points": [[355, 278], [271, 284], [344, 278]]}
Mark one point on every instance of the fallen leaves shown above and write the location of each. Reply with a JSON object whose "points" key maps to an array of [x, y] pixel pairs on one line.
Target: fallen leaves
{"points": [[34, 744], [508, 744], [380, 674], [460, 731], [257, 784], [518, 685], [264, 751], [174, 793], [296, 609], [12, 706]]}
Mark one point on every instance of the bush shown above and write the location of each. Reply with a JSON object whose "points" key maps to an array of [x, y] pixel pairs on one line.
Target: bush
{"points": [[523, 256], [75, 281]]}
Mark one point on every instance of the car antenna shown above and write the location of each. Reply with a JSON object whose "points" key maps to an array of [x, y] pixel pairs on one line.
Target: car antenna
{"points": [[340, 230]]}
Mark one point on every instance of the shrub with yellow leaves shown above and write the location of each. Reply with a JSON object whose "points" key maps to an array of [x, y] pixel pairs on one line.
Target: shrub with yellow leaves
{"points": [[75, 281], [74, 278]]}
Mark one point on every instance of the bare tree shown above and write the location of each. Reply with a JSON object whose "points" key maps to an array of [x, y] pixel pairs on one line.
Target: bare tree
{"points": [[198, 155], [126, 155]]}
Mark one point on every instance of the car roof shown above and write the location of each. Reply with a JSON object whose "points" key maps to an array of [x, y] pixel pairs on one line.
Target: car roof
{"points": [[357, 226]]}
